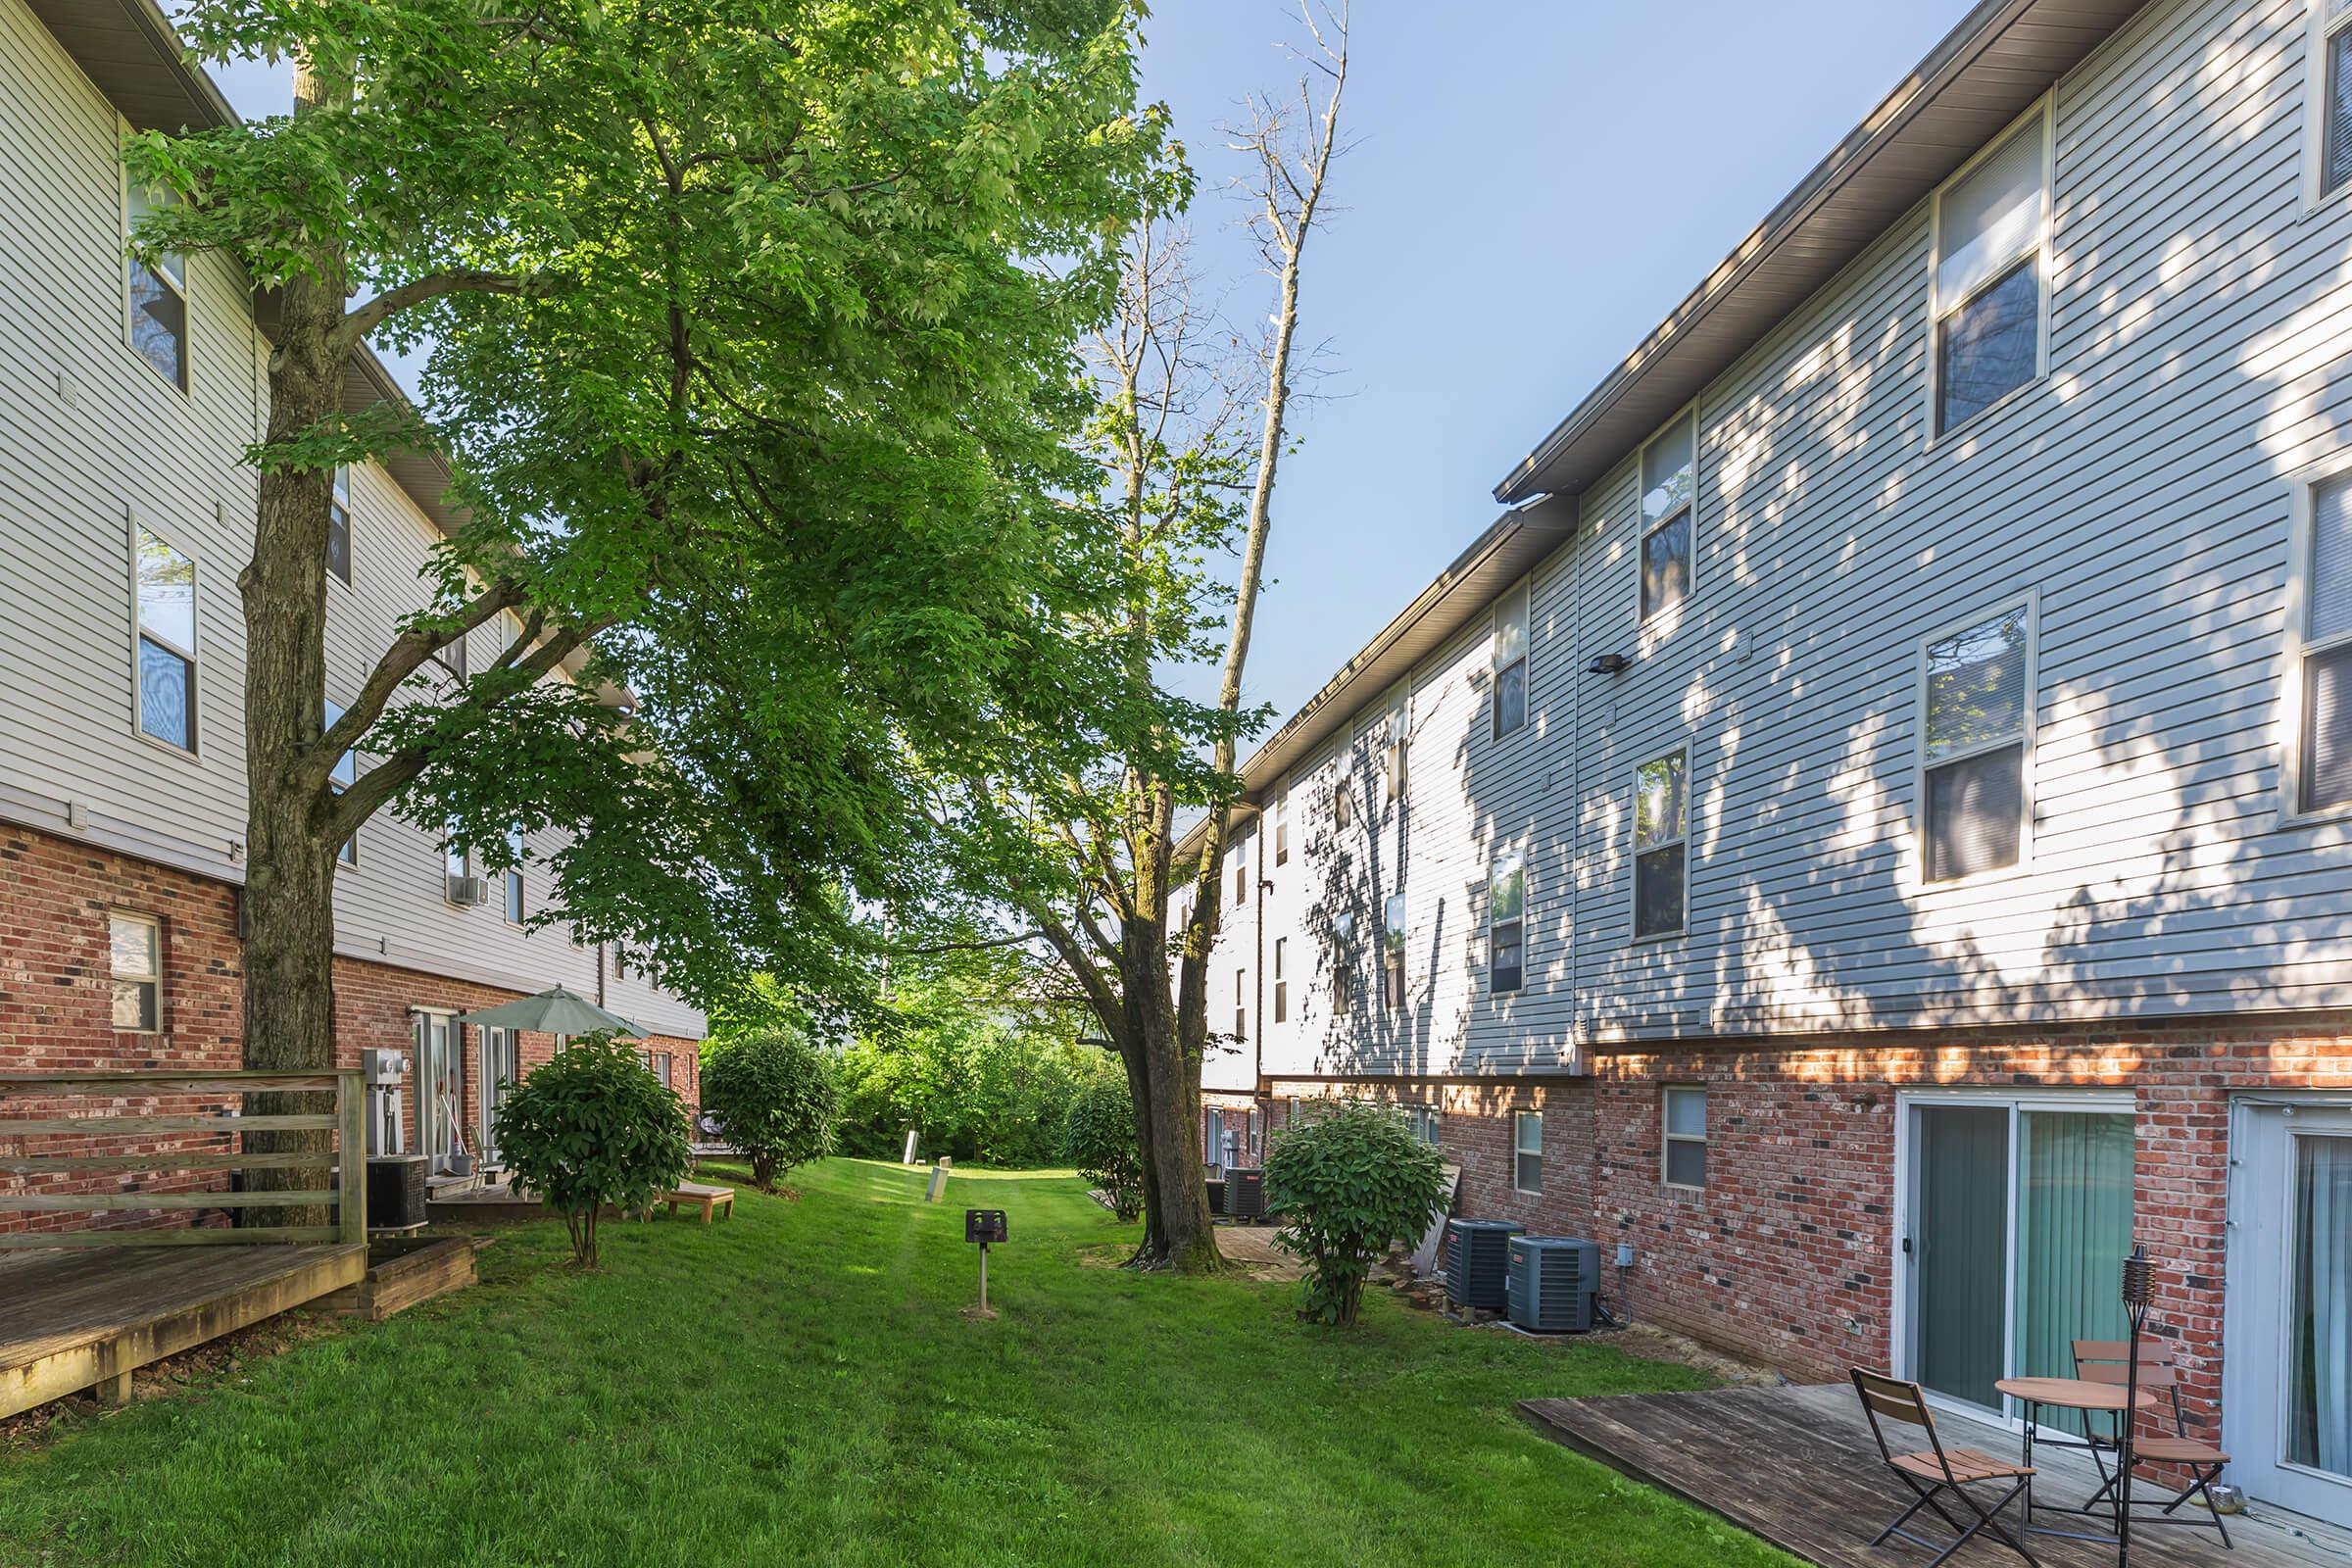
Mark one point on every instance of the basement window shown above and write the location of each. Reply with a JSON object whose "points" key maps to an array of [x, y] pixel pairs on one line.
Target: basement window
{"points": [[134, 947], [1684, 1158], [1527, 1151]]}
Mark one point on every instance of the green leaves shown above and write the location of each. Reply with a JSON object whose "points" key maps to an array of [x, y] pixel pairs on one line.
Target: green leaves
{"points": [[776, 1096], [593, 1129], [1349, 1183]]}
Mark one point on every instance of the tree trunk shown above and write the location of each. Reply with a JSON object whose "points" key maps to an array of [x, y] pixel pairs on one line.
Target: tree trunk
{"points": [[290, 859], [1180, 1233]]}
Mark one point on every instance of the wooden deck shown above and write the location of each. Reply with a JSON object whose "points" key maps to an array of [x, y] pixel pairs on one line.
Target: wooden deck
{"points": [[1797, 1467], [72, 1319]]}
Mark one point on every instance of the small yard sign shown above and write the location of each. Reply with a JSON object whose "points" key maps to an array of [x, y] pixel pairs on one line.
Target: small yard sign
{"points": [[984, 1225]]}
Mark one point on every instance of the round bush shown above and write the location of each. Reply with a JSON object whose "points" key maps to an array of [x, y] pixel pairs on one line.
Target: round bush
{"points": [[1099, 1137], [1348, 1185], [775, 1097], [593, 1128]]}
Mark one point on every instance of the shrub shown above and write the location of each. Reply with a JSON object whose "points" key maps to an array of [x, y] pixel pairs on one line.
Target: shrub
{"points": [[971, 1088], [1099, 1137], [589, 1128], [775, 1097], [1348, 1185]]}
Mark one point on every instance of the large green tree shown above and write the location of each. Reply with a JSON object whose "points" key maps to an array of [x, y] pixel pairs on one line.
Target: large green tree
{"points": [[749, 328], [1189, 451]]}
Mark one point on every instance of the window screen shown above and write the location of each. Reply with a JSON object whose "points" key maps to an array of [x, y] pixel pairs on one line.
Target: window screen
{"points": [[1978, 709], [1661, 810], [1510, 663], [2327, 741], [1989, 227], [166, 680], [1668, 487]]}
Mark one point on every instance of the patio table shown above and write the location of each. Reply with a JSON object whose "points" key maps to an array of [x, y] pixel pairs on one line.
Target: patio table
{"points": [[2065, 1393]]}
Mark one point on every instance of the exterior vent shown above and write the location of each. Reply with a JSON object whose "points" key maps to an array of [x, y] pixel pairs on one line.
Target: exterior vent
{"points": [[1245, 1193], [1551, 1283], [469, 890], [1477, 1257]]}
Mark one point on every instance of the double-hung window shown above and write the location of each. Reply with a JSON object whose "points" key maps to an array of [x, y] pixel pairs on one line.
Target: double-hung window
{"points": [[1282, 984], [457, 868], [134, 952], [338, 528], [346, 773], [1425, 1124], [1527, 1151], [516, 852], [1281, 812], [1669, 492], [167, 645], [2332, 105], [2322, 732], [1992, 232], [155, 293], [1977, 688], [1510, 661], [1661, 823], [1683, 1158], [1391, 949], [1342, 982], [1342, 806], [1241, 1003], [1506, 922]]}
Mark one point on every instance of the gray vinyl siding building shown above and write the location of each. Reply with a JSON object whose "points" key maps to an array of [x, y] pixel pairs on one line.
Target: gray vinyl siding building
{"points": [[2017, 433], [2138, 496]]}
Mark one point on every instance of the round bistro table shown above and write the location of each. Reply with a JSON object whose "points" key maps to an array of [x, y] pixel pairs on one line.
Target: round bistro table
{"points": [[2064, 1393]]}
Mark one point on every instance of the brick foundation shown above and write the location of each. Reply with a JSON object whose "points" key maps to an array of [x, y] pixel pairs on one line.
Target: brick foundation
{"points": [[1788, 1256], [56, 1007]]}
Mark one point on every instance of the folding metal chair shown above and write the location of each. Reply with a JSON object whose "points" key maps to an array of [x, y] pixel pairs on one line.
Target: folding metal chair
{"points": [[2105, 1361], [1934, 1471]]}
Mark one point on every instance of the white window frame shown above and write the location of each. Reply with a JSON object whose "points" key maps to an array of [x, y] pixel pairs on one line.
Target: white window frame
{"points": [[339, 506], [2029, 723], [179, 285], [1342, 806], [1633, 827], [2044, 109], [2296, 647], [1523, 594], [1687, 416], [513, 901], [1280, 811], [1393, 972], [1520, 1121], [1668, 1137], [348, 851], [194, 750], [456, 863], [1495, 880], [1240, 1003], [1282, 984], [2321, 28], [155, 979]]}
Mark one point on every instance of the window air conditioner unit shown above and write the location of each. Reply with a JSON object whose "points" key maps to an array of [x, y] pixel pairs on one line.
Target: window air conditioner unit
{"points": [[469, 890]]}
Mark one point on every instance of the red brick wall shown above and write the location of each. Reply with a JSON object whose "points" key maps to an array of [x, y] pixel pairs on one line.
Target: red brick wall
{"points": [[56, 1002], [57, 1006]]}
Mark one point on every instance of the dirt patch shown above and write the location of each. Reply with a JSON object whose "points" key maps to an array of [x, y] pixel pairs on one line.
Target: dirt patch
{"points": [[190, 1370], [1653, 1344], [1250, 1251]]}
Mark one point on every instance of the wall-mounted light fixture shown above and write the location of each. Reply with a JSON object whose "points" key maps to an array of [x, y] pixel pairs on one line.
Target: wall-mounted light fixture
{"points": [[1608, 664]]}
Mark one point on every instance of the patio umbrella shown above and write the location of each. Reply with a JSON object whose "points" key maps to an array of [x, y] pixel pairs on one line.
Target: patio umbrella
{"points": [[553, 1012]]}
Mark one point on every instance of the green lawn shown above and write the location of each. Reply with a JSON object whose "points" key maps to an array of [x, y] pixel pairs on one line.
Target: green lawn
{"points": [[797, 1385]]}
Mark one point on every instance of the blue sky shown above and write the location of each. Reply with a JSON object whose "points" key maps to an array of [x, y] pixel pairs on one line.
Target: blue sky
{"points": [[1534, 184]]}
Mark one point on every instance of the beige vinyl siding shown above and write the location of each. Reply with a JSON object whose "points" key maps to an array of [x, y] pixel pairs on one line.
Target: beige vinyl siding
{"points": [[89, 434]]}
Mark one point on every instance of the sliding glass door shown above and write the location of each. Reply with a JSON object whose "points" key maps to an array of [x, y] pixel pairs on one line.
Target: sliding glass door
{"points": [[2287, 1405], [2017, 1218]]}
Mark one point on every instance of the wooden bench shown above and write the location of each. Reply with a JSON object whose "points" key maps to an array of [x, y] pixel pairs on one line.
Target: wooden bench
{"points": [[709, 1198]]}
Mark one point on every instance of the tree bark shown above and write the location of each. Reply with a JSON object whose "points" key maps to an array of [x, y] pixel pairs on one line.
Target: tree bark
{"points": [[289, 855]]}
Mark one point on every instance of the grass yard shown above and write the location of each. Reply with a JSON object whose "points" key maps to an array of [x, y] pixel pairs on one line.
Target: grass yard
{"points": [[796, 1386]]}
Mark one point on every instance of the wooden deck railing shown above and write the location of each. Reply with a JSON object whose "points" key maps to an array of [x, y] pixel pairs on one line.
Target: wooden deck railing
{"points": [[220, 1129]]}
